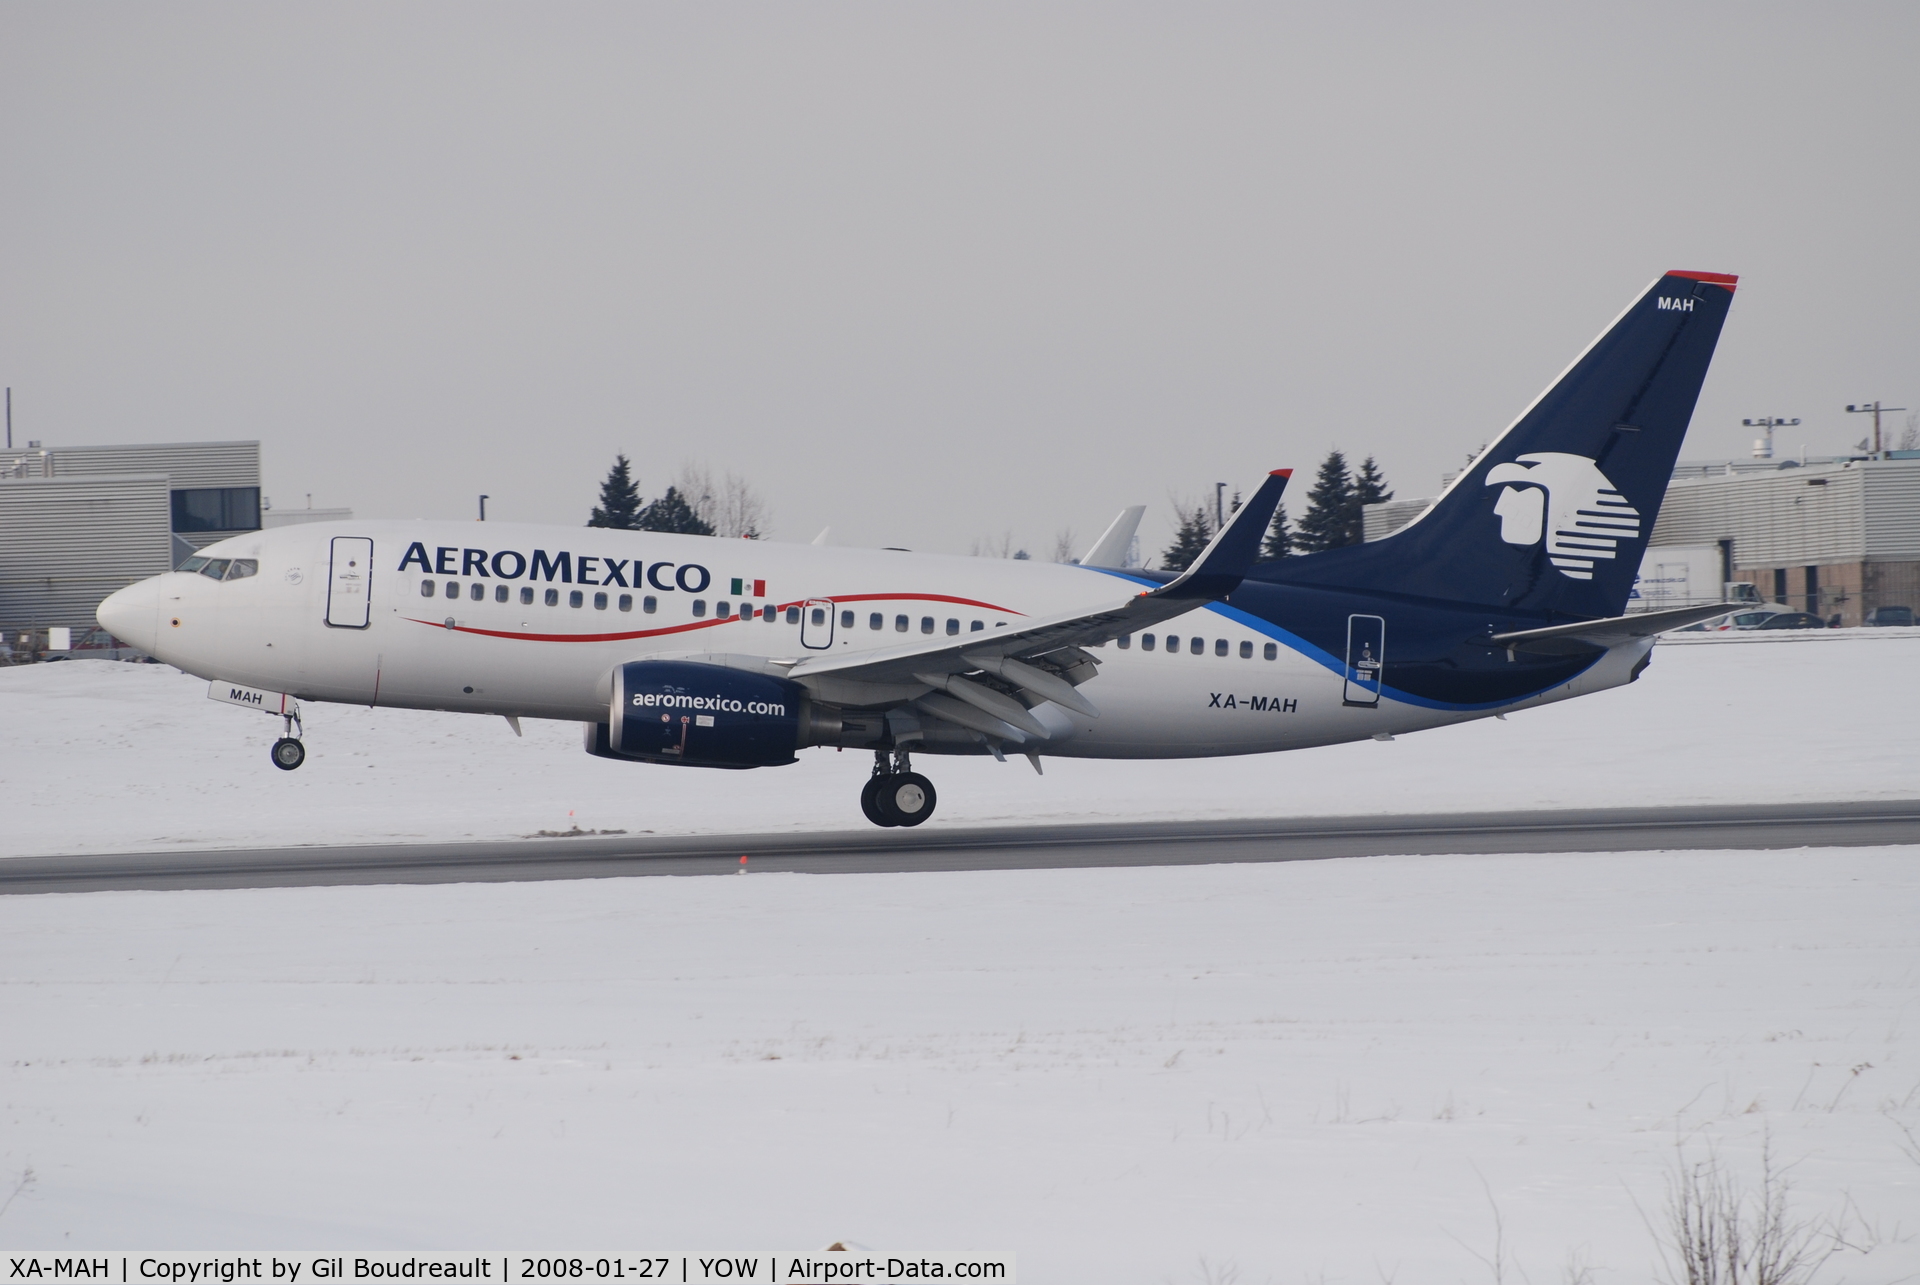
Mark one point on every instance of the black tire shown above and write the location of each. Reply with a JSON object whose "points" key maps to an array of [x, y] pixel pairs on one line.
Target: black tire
{"points": [[906, 799], [870, 800], [288, 754]]}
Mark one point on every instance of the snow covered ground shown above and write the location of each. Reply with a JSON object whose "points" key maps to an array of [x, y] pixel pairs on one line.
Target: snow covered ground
{"points": [[1318, 1071], [1397, 1068], [98, 757]]}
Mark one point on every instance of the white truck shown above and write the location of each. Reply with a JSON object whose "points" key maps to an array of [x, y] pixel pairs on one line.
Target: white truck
{"points": [[1685, 576]]}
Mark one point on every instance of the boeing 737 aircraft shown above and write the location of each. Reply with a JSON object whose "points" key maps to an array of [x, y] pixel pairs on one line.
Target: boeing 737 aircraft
{"points": [[1505, 594]]}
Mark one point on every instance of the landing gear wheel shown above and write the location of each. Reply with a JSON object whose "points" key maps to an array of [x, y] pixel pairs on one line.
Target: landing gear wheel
{"points": [[288, 754], [905, 798], [870, 800]]}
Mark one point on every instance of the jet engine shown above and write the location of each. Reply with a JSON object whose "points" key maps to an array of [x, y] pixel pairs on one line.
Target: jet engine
{"points": [[668, 711]]}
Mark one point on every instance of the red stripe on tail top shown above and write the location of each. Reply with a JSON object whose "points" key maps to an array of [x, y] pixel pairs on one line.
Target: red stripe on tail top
{"points": [[1714, 278]]}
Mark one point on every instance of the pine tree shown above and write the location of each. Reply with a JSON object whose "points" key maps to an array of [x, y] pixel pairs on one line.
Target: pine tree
{"points": [[1279, 541], [619, 499], [671, 513], [1189, 542], [1328, 521], [1369, 487]]}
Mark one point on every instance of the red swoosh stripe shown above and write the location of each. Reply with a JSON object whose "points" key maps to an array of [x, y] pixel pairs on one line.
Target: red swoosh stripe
{"points": [[709, 624]]}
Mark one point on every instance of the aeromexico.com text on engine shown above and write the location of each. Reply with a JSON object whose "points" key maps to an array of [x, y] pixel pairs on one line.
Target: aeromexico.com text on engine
{"points": [[706, 704]]}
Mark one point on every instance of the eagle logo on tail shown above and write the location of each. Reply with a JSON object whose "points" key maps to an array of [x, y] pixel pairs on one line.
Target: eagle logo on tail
{"points": [[1567, 500]]}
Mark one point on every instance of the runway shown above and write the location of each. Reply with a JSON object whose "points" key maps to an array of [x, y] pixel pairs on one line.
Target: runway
{"points": [[1019, 847]]}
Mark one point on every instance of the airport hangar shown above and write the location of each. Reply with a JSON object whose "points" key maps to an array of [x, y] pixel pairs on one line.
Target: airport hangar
{"points": [[79, 522]]}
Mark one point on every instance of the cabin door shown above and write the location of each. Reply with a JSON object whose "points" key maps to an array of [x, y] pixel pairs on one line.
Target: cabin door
{"points": [[1366, 653], [350, 582]]}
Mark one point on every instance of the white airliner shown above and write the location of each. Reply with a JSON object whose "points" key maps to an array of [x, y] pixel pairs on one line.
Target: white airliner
{"points": [[695, 651]]}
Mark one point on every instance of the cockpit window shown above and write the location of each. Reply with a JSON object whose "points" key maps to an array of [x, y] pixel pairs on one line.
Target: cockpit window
{"points": [[242, 568], [192, 564], [215, 568]]}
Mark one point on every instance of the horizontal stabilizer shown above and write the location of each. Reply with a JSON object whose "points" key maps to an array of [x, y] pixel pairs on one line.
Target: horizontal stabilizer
{"points": [[1586, 634]]}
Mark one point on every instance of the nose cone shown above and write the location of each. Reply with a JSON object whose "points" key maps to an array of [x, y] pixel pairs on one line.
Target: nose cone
{"points": [[133, 614]]}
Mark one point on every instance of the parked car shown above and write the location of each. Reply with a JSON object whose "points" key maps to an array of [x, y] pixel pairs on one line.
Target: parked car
{"points": [[1890, 616], [1791, 620]]}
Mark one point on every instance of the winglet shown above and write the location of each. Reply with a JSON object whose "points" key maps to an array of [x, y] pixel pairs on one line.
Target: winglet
{"points": [[1228, 557], [1110, 550]]}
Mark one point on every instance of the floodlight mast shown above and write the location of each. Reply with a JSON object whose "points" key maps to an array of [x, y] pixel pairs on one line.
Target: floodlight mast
{"points": [[1763, 447], [1874, 409]]}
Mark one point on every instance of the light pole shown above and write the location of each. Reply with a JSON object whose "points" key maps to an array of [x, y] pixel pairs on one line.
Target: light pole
{"points": [[1873, 409], [1219, 505], [1763, 447], [483, 507]]}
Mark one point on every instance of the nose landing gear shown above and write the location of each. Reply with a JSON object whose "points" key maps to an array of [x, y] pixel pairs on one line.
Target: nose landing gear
{"points": [[895, 794], [287, 752]]}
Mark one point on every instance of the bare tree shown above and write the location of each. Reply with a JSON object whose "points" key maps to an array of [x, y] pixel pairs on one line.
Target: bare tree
{"points": [[731, 507], [1718, 1233], [1063, 546]]}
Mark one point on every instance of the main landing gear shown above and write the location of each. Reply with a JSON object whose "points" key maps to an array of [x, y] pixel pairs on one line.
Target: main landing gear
{"points": [[287, 752], [895, 794]]}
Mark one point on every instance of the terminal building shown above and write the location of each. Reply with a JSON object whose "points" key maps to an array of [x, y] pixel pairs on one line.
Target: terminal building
{"points": [[79, 522], [1837, 537]]}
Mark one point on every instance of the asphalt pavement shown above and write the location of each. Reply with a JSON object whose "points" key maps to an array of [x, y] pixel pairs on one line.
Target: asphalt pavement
{"points": [[1017, 847]]}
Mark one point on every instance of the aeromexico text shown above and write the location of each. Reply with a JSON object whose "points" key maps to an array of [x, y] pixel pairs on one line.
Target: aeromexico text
{"points": [[508, 564]]}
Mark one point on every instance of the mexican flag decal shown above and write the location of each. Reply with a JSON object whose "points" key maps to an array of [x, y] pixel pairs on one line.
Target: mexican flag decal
{"points": [[758, 588]]}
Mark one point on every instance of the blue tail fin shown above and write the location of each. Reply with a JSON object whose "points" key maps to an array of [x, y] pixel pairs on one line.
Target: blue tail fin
{"points": [[1553, 517]]}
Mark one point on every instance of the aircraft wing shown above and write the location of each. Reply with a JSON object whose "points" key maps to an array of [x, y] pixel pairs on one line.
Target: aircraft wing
{"points": [[1611, 632], [1009, 654]]}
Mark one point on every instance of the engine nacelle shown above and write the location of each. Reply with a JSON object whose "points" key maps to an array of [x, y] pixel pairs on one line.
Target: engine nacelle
{"points": [[676, 711]]}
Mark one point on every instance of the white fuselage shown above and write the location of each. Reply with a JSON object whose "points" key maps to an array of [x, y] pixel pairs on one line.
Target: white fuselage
{"points": [[465, 617]]}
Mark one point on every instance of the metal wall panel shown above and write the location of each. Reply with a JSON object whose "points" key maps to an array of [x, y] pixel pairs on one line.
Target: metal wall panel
{"points": [[68, 542], [1789, 517], [1893, 510], [191, 465]]}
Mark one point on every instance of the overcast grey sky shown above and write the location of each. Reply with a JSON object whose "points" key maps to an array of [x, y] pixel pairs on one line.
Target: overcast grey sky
{"points": [[924, 272]]}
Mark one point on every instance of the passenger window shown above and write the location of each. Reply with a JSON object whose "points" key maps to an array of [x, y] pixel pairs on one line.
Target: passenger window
{"points": [[553, 597], [1173, 642], [1273, 651], [242, 568], [626, 602], [978, 625], [1219, 646], [953, 626], [215, 568], [1146, 642], [649, 604], [768, 612], [926, 624], [575, 598], [1246, 651], [793, 615], [846, 620], [900, 624], [453, 588], [477, 592], [426, 589], [1124, 641], [699, 608], [599, 602], [499, 593], [876, 620], [1198, 646], [819, 615], [526, 597]]}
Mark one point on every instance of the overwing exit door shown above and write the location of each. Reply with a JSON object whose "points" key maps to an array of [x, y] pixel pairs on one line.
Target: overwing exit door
{"points": [[816, 624], [349, 582], [1366, 653]]}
